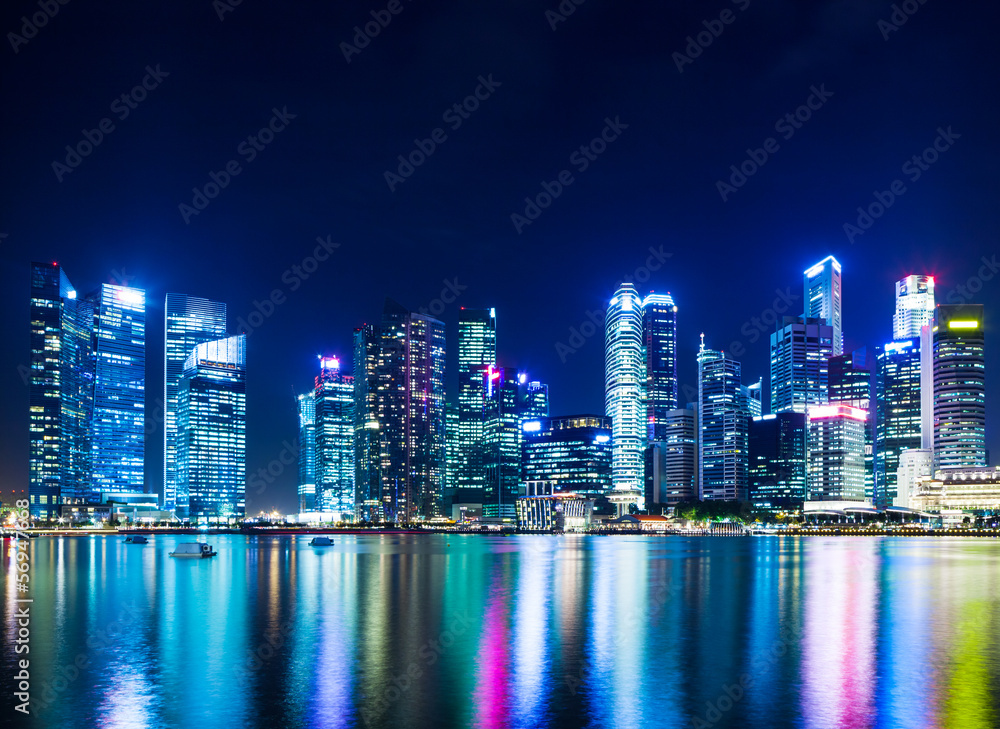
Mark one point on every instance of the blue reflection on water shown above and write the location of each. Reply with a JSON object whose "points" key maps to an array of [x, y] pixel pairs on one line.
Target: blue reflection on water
{"points": [[414, 631]]}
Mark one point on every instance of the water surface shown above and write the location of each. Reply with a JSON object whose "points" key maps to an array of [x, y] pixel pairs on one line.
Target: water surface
{"points": [[526, 631]]}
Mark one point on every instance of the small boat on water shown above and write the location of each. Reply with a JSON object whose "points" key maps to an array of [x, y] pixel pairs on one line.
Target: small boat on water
{"points": [[136, 539], [321, 542], [194, 549]]}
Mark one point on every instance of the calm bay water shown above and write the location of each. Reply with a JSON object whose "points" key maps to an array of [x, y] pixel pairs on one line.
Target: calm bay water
{"points": [[527, 631]]}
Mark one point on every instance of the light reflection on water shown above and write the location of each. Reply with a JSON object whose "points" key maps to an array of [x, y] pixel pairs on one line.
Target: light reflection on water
{"points": [[413, 631]]}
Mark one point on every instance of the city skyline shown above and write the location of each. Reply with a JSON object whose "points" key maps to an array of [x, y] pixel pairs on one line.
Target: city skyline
{"points": [[647, 207], [493, 364], [452, 398]]}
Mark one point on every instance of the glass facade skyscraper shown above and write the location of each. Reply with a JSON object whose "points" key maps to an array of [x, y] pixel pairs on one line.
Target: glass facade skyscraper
{"points": [[914, 306], [836, 453], [959, 372], [723, 425], [852, 382], [503, 411], [212, 423], [333, 399], [800, 349], [119, 350], [898, 412], [671, 464], [188, 321], [411, 413], [60, 393], [535, 398], [625, 384], [452, 453], [822, 286], [307, 451], [659, 333], [367, 416], [477, 350], [572, 452], [778, 460]]}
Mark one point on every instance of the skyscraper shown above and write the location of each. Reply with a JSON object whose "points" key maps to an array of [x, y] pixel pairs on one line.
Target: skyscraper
{"points": [[572, 452], [411, 408], [898, 412], [367, 416], [334, 412], [852, 382], [753, 394], [211, 432], [307, 451], [671, 464], [723, 424], [625, 383], [836, 453], [452, 454], [118, 430], [914, 306], [189, 321], [959, 370], [800, 349], [659, 337], [535, 398], [502, 439], [778, 460], [823, 298], [477, 350], [60, 393]]}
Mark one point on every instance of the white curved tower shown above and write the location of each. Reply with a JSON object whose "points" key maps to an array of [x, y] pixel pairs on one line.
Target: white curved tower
{"points": [[625, 378]]}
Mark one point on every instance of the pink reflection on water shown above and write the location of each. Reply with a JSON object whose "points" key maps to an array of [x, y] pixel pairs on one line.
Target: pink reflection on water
{"points": [[838, 666], [493, 691]]}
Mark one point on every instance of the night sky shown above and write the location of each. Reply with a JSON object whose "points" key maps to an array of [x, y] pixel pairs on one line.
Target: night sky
{"points": [[115, 216]]}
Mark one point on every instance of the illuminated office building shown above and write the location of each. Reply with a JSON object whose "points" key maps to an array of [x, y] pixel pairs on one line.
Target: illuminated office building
{"points": [[778, 460], [659, 340], [211, 427], [723, 425], [625, 384], [502, 440], [671, 464], [410, 406], [852, 382], [959, 373], [572, 452], [334, 412], [307, 452], [367, 416], [822, 286], [914, 306], [800, 349], [915, 466], [60, 393], [118, 425], [188, 321], [898, 412], [836, 446], [535, 398], [452, 453], [752, 395], [477, 350]]}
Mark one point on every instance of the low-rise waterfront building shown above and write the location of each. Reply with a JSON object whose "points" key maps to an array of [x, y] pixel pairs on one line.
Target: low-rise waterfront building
{"points": [[540, 509]]}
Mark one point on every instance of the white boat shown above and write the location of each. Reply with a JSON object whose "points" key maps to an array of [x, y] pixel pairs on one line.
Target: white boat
{"points": [[321, 542], [194, 549], [136, 539]]}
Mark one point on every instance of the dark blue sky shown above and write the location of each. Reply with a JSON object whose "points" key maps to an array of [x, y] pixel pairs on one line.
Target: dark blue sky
{"points": [[116, 214]]}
